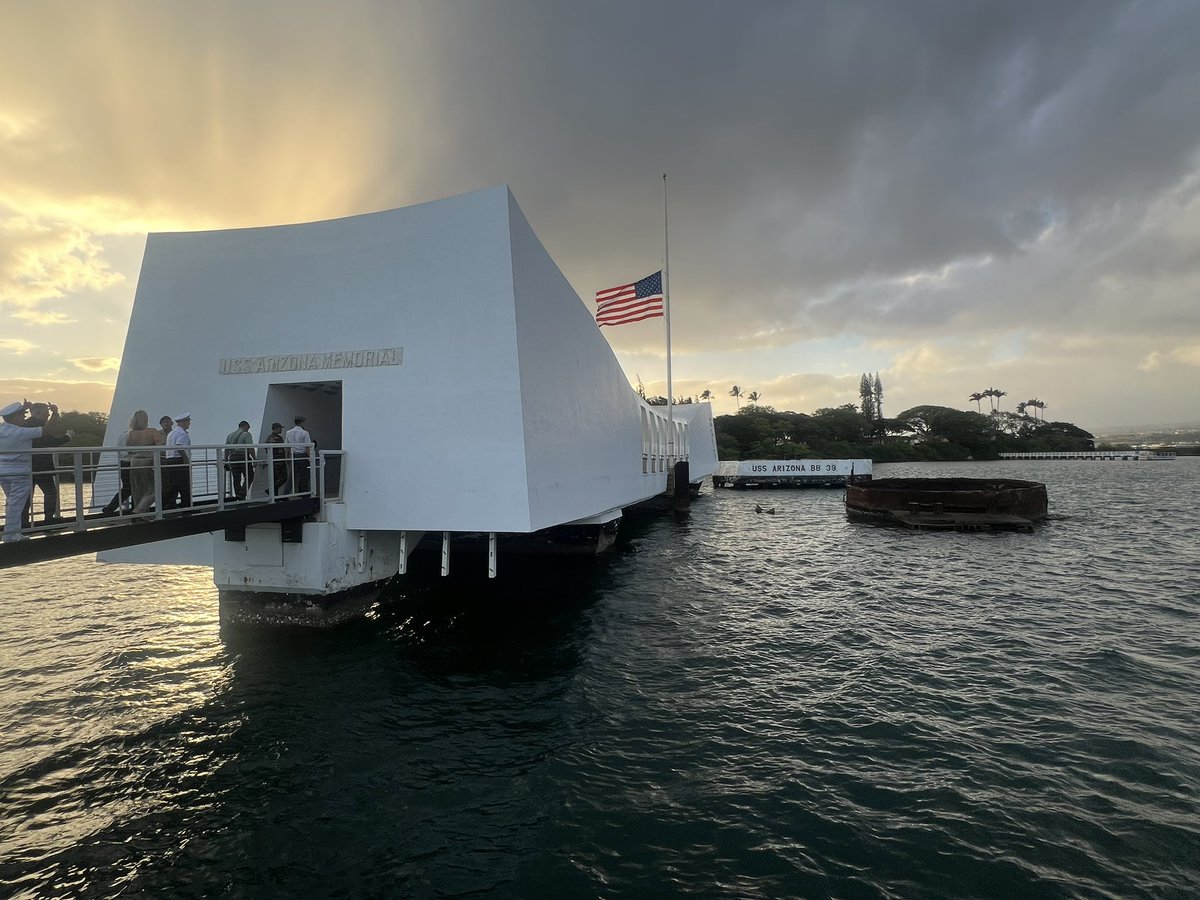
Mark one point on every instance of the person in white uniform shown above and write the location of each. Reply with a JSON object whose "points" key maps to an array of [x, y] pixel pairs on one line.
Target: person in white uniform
{"points": [[177, 470], [301, 483], [16, 461]]}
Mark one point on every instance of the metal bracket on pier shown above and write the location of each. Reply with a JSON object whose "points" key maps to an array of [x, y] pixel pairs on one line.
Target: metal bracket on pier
{"points": [[403, 568], [491, 554], [445, 553], [360, 558]]}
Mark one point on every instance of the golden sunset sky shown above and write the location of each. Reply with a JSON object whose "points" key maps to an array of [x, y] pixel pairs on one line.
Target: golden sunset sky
{"points": [[958, 196]]}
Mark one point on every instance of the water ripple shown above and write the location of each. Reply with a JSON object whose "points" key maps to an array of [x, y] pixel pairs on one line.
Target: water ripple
{"points": [[732, 704]]}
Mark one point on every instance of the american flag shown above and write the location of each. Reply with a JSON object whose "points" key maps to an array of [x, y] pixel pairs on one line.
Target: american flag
{"points": [[631, 302]]}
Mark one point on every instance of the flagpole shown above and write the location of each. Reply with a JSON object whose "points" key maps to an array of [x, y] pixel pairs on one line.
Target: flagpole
{"points": [[667, 316]]}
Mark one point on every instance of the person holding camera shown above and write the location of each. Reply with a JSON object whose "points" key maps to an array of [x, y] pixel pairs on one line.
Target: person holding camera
{"points": [[44, 476], [17, 434]]}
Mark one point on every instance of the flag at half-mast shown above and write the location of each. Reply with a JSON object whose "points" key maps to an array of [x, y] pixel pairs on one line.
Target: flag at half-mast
{"points": [[631, 302]]}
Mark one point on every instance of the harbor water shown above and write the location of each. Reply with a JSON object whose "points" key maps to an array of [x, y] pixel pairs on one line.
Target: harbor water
{"points": [[732, 704]]}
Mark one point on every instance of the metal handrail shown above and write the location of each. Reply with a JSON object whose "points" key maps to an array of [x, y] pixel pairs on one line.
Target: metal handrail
{"points": [[96, 470]]}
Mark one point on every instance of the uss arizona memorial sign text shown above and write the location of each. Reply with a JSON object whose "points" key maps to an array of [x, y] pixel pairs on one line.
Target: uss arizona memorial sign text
{"points": [[305, 362]]}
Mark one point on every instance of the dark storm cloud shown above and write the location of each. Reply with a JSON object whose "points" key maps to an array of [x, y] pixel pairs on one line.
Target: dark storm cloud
{"points": [[818, 150], [928, 188]]}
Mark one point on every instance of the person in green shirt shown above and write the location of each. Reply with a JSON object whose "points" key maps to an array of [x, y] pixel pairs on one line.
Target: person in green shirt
{"points": [[239, 459]]}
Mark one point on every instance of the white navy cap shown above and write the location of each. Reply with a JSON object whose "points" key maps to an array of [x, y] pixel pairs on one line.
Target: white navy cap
{"points": [[184, 416], [12, 409]]}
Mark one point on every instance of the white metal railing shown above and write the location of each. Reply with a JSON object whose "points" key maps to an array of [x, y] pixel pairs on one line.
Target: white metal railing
{"points": [[662, 447], [78, 484]]}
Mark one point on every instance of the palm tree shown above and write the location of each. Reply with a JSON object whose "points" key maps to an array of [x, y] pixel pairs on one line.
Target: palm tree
{"points": [[754, 397], [990, 393], [976, 397], [1021, 407], [706, 394], [998, 395], [736, 393]]}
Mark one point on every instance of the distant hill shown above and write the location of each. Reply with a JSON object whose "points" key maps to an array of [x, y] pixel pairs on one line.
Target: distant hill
{"points": [[1169, 435], [1154, 426]]}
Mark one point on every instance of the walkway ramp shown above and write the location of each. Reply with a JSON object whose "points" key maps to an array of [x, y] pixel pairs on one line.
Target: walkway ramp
{"points": [[86, 477], [111, 532]]}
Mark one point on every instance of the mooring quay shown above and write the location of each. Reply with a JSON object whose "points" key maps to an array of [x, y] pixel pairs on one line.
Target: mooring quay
{"points": [[438, 355], [1102, 455]]}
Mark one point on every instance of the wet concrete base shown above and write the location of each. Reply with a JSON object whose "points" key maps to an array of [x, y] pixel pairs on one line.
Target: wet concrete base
{"points": [[262, 609]]}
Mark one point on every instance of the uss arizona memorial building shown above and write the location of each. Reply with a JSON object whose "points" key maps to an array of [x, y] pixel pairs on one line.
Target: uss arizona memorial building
{"points": [[438, 347]]}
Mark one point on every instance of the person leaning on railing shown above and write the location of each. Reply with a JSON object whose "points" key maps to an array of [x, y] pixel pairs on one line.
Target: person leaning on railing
{"points": [[17, 435]]}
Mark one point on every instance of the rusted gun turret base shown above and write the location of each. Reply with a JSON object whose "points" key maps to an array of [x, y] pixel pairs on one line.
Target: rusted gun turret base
{"points": [[949, 504]]}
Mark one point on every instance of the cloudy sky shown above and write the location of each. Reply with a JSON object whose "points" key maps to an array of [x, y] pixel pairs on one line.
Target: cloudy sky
{"points": [[958, 195]]}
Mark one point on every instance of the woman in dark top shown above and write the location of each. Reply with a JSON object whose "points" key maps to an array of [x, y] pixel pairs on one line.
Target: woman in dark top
{"points": [[279, 473]]}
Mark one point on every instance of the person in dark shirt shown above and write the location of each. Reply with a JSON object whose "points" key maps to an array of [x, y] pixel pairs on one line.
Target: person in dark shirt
{"points": [[44, 476], [239, 459], [279, 458]]}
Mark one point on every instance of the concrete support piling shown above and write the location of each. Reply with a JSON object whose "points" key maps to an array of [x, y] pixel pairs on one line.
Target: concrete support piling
{"points": [[682, 492]]}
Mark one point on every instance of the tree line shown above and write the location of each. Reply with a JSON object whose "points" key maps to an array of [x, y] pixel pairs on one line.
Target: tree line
{"points": [[920, 433], [89, 428], [993, 395], [704, 396]]}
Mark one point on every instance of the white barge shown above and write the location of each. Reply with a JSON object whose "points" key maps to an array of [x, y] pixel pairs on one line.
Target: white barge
{"points": [[437, 353], [791, 472]]}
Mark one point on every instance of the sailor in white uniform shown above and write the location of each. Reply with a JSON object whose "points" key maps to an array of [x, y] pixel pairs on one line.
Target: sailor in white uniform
{"points": [[16, 461], [300, 469]]}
